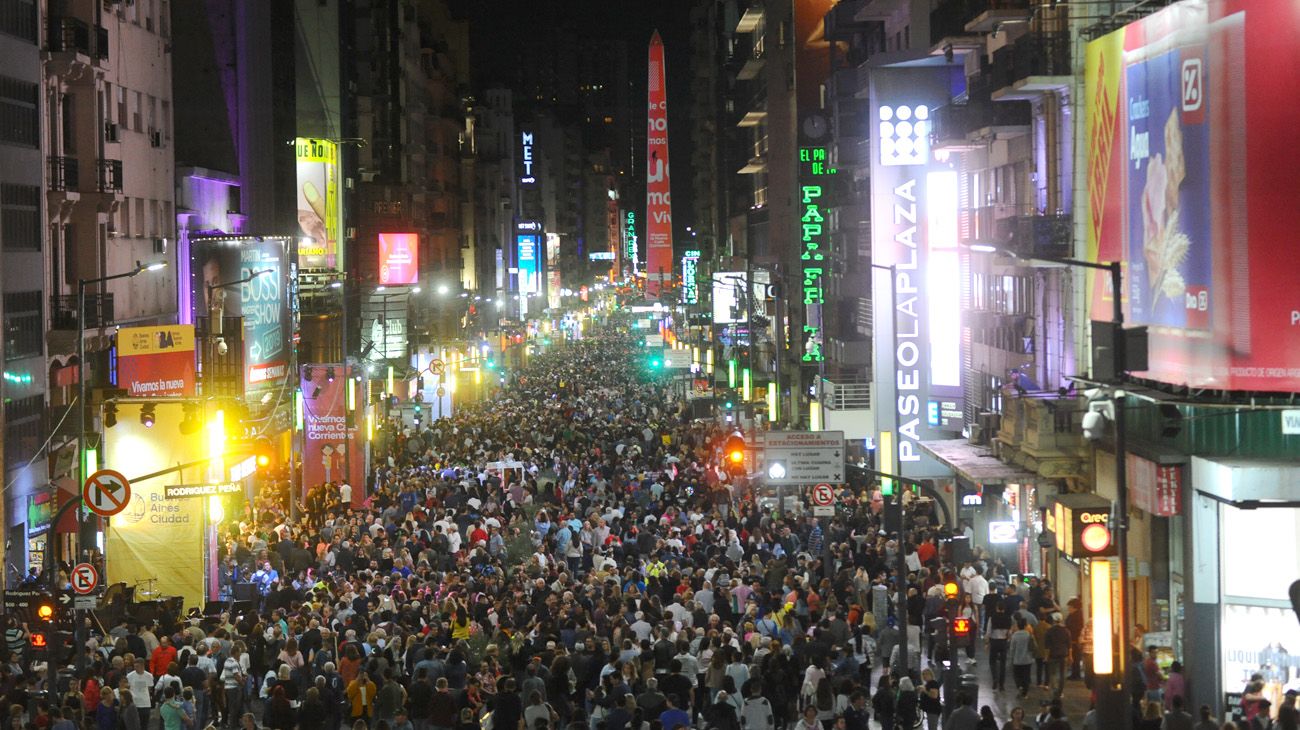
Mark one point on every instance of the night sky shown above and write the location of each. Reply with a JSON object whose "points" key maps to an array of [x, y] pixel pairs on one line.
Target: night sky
{"points": [[498, 26]]}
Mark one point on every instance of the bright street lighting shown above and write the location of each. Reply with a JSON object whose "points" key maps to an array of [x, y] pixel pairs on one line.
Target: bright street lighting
{"points": [[415, 290], [983, 248], [442, 289]]}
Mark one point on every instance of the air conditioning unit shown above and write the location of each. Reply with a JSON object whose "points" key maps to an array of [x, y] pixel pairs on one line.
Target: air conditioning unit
{"points": [[155, 138], [111, 132], [160, 245]]}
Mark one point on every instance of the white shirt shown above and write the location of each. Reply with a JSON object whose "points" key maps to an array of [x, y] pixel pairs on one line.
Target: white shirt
{"points": [[141, 684], [345, 493], [979, 588]]}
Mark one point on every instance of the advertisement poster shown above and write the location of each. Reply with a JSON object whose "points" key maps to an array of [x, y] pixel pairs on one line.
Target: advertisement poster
{"points": [[553, 283], [659, 205], [156, 361], [320, 212], [1190, 187], [156, 543], [328, 454], [263, 300], [399, 259], [527, 244]]}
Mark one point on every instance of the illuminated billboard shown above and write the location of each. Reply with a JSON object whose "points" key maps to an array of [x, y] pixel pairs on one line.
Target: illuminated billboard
{"points": [[659, 205], [553, 283], [1190, 185], [914, 203], [156, 361], [630, 246], [320, 210], [690, 284], [216, 264], [729, 304], [331, 450], [399, 259], [526, 245]]}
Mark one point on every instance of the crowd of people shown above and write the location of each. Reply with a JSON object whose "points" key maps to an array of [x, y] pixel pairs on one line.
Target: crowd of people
{"points": [[572, 553]]}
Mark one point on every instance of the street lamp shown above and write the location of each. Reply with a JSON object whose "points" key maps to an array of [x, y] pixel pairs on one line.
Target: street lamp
{"points": [[1120, 528], [85, 536]]}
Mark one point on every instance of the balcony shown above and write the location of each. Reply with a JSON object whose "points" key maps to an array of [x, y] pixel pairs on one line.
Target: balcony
{"points": [[842, 394], [64, 175], [753, 64], [841, 22], [969, 126], [1042, 235], [75, 42], [110, 176], [1044, 435], [1035, 64], [63, 311]]}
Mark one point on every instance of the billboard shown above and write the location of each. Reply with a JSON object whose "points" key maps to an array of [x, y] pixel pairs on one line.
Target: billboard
{"points": [[263, 300], [553, 282], [399, 258], [729, 305], [331, 451], [155, 540], [156, 361], [526, 249], [1189, 185], [690, 270], [630, 248], [320, 209], [659, 204], [914, 200]]}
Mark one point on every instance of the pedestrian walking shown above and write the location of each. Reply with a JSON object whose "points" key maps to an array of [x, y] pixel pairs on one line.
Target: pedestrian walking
{"points": [[1023, 651]]}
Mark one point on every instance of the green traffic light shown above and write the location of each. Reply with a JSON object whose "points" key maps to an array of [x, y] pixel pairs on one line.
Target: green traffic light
{"points": [[491, 365], [728, 405]]}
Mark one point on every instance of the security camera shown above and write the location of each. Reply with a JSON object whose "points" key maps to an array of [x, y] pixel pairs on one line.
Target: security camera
{"points": [[1094, 424], [222, 348]]}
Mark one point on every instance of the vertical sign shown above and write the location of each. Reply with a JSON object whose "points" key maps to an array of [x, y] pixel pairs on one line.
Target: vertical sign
{"points": [[814, 168], [659, 208], [526, 248], [690, 267], [630, 246], [329, 447], [320, 214], [553, 282], [914, 202], [529, 175]]}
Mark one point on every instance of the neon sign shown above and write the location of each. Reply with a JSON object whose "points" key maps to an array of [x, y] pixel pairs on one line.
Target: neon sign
{"points": [[527, 157], [690, 287], [629, 236], [813, 166]]}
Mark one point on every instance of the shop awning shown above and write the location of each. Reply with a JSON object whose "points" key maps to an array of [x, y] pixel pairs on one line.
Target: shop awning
{"points": [[977, 463]]}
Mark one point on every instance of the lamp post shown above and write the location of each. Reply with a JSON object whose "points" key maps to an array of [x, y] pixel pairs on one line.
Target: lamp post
{"points": [[216, 320], [1111, 701], [896, 505], [86, 527]]}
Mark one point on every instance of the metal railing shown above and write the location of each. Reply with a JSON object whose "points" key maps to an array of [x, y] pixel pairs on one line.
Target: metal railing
{"points": [[64, 173], [844, 395], [110, 176], [63, 311], [1036, 54]]}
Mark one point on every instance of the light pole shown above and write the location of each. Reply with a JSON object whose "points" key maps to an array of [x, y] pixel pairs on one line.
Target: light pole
{"points": [[216, 320], [896, 505], [1116, 716], [86, 527]]}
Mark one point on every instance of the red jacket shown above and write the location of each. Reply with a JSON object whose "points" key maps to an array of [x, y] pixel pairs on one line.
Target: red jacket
{"points": [[161, 657]]}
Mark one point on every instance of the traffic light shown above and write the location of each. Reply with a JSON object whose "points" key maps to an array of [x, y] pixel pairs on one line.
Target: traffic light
{"points": [[734, 449], [950, 589], [961, 627], [44, 609]]}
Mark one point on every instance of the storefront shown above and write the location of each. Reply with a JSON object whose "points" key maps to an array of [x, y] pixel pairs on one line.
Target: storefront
{"points": [[1243, 539], [999, 501]]}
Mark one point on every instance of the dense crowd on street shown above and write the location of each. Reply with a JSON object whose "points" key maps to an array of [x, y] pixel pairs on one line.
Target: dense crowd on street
{"points": [[572, 553]]}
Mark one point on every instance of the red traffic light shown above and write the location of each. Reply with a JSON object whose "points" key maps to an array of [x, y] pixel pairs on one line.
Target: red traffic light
{"points": [[38, 640], [961, 626]]}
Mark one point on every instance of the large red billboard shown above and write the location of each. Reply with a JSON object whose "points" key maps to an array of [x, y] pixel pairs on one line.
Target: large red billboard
{"points": [[399, 258], [331, 451], [1191, 185], [659, 206]]}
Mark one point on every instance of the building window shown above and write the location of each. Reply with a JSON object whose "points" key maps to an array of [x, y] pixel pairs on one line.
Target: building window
{"points": [[22, 325], [20, 217], [18, 18], [23, 429], [18, 112]]}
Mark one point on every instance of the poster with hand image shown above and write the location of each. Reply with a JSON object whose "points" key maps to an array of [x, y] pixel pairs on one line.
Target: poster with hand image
{"points": [[319, 210]]}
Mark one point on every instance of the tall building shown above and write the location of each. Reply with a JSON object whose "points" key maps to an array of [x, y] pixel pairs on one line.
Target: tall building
{"points": [[107, 101], [24, 285]]}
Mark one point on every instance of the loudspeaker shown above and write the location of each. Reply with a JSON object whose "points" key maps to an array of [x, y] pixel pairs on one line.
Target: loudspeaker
{"points": [[244, 592]]}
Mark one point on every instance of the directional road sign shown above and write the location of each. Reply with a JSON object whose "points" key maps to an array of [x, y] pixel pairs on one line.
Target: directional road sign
{"points": [[106, 492], [677, 359], [803, 457], [85, 579], [86, 603]]}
